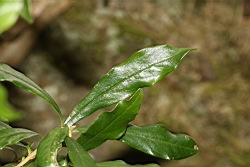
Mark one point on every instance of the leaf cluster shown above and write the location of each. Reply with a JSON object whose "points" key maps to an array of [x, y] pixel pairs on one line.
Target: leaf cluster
{"points": [[123, 87]]}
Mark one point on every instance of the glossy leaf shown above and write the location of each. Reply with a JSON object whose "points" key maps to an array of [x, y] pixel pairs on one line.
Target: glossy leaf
{"points": [[9, 13], [78, 156], [26, 12], [11, 136], [9, 74], [7, 112], [157, 141], [122, 164], [143, 69], [111, 125], [49, 146]]}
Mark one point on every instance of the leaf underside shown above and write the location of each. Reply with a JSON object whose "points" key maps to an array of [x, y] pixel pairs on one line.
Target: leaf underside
{"points": [[10, 136], [11, 75]]}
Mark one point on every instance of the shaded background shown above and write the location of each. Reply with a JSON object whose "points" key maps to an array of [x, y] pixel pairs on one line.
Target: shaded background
{"points": [[74, 42]]}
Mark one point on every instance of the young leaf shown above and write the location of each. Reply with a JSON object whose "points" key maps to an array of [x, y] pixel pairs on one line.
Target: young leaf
{"points": [[111, 125], [10, 136], [48, 147], [9, 13], [122, 164], [158, 142], [78, 156], [143, 69], [9, 74], [26, 12]]}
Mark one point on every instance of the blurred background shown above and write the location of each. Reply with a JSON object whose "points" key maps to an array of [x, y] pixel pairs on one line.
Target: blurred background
{"points": [[72, 43]]}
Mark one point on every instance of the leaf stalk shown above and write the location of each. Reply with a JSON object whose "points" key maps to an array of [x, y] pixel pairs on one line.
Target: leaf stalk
{"points": [[30, 157]]}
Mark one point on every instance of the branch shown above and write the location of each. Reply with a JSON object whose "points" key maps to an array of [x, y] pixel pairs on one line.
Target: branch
{"points": [[30, 157]]}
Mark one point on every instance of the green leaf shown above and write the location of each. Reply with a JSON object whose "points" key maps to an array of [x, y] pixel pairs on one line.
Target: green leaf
{"points": [[143, 69], [81, 129], [9, 74], [4, 125], [9, 165], [157, 141], [63, 163], [7, 112], [111, 125], [32, 164], [78, 156], [122, 164], [11, 136], [49, 146], [26, 12], [9, 13]]}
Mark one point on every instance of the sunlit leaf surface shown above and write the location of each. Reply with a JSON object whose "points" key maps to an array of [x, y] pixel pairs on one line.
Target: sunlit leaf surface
{"points": [[143, 69]]}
